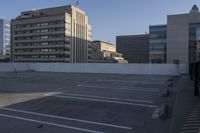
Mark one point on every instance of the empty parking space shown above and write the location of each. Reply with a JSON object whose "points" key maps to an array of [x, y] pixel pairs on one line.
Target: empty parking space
{"points": [[94, 103]]}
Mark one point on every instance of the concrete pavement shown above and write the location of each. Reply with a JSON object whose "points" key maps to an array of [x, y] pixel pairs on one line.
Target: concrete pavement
{"points": [[185, 103]]}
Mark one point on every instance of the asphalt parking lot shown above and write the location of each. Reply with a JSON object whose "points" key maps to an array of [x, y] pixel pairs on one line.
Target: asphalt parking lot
{"points": [[37, 102]]}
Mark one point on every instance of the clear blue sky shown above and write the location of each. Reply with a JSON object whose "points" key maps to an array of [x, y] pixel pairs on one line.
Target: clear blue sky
{"points": [[109, 18]]}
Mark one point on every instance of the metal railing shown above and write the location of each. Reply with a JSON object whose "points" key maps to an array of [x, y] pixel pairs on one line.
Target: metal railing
{"points": [[195, 76]]}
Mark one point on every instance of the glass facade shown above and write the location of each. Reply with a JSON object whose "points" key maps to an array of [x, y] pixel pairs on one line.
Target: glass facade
{"points": [[158, 43], [4, 37], [1, 37], [194, 42]]}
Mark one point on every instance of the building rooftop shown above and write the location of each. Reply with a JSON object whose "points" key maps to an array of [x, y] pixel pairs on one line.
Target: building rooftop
{"points": [[140, 35], [158, 25], [92, 103], [48, 11], [99, 41], [194, 9]]}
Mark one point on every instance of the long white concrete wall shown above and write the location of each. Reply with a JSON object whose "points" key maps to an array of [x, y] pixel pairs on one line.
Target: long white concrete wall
{"points": [[144, 69], [9, 67]]}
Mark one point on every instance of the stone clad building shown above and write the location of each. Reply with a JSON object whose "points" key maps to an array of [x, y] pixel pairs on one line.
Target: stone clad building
{"points": [[58, 34]]}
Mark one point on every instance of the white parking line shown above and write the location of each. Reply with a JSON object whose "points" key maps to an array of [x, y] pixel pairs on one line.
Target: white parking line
{"points": [[191, 127], [194, 118], [126, 81], [66, 118], [107, 101], [116, 88], [111, 98], [50, 123], [193, 121], [191, 131], [192, 124]]}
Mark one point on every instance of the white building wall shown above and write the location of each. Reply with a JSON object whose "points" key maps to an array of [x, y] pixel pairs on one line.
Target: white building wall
{"points": [[139, 69], [11, 67], [178, 36]]}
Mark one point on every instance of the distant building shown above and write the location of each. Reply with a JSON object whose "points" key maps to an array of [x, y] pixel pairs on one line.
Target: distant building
{"points": [[105, 52], [158, 43], [135, 48], [183, 36], [59, 34], [4, 37]]}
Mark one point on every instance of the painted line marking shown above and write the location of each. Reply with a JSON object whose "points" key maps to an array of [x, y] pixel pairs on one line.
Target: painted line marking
{"points": [[196, 111], [125, 81], [191, 131], [82, 82], [184, 128], [146, 79], [194, 118], [192, 124], [97, 85], [111, 98], [66, 118], [115, 88], [193, 121], [50, 123], [107, 101]]}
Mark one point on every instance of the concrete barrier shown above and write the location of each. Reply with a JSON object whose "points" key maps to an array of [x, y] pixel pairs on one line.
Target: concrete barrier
{"points": [[139, 69], [10, 67]]}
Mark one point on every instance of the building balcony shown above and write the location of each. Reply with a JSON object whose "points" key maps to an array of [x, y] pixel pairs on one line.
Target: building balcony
{"points": [[39, 40], [39, 34], [39, 27], [43, 60], [44, 46], [43, 53]]}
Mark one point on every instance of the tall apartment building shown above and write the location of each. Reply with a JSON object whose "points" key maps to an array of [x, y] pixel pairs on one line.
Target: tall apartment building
{"points": [[59, 34], [158, 43], [4, 37], [135, 48]]}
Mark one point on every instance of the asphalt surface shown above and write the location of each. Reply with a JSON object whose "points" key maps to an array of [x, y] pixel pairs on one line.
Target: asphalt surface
{"points": [[82, 103]]}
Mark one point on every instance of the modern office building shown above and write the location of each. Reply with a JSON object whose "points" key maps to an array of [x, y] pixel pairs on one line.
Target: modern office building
{"points": [[105, 52], [178, 41], [194, 42], [135, 48], [58, 34], [183, 36], [158, 43], [4, 37]]}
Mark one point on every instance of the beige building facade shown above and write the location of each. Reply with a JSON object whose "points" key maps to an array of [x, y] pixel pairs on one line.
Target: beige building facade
{"points": [[181, 30], [105, 52], [59, 34]]}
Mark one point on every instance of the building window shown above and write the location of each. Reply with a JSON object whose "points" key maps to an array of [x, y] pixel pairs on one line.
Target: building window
{"points": [[44, 50], [52, 50], [44, 24], [44, 56], [34, 56], [44, 43], [52, 56], [45, 30], [44, 37]]}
